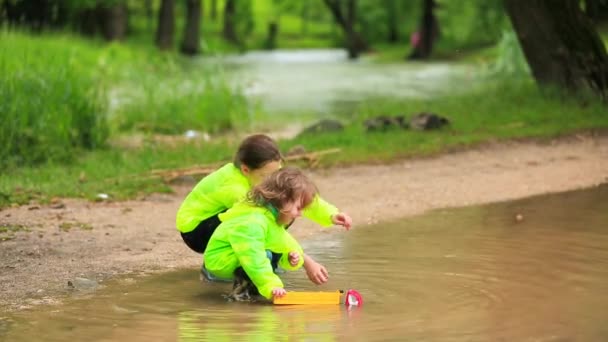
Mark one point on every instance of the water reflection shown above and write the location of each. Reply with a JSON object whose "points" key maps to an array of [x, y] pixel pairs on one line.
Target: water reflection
{"points": [[318, 323], [471, 274]]}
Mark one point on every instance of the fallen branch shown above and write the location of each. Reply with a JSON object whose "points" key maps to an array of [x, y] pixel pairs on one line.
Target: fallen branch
{"points": [[312, 158]]}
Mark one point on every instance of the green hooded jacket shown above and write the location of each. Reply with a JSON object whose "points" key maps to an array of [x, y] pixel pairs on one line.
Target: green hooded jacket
{"points": [[243, 237], [221, 189]]}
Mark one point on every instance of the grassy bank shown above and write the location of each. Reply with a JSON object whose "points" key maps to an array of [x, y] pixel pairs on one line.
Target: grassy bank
{"points": [[61, 95], [495, 112], [51, 104]]}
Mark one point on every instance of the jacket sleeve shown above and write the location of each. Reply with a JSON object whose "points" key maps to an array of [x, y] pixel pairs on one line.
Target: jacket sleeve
{"points": [[291, 245], [320, 211], [248, 243]]}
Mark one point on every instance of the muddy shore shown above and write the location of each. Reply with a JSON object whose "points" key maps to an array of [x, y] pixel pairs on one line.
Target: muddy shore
{"points": [[97, 241]]}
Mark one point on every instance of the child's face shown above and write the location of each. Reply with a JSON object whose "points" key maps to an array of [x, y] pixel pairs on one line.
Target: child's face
{"points": [[290, 211], [258, 175]]}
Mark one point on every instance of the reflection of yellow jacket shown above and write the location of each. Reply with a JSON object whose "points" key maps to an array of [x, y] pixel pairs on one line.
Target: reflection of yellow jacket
{"points": [[222, 189], [242, 239]]}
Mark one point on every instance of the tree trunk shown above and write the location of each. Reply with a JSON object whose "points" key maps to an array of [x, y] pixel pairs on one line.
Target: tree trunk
{"points": [[428, 32], [393, 18], [597, 10], [166, 25], [87, 21], [33, 15], [229, 30], [561, 44], [271, 40], [113, 21], [305, 17], [355, 44], [149, 13], [213, 10], [190, 44]]}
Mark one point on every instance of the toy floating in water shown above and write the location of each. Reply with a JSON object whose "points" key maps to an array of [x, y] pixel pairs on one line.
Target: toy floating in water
{"points": [[352, 298]]}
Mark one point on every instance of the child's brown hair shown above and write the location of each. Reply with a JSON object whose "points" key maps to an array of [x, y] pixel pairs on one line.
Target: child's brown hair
{"points": [[284, 186], [257, 150]]}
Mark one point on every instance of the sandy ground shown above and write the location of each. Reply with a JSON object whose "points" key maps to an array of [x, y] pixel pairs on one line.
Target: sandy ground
{"points": [[99, 241]]}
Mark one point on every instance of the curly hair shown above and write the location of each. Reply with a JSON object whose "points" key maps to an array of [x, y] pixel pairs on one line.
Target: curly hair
{"points": [[283, 186]]}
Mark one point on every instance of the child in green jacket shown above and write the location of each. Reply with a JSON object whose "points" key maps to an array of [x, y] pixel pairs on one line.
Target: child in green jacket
{"points": [[257, 225], [257, 156]]}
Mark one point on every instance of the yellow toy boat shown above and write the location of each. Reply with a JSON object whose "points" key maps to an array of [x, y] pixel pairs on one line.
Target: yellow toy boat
{"points": [[353, 298]]}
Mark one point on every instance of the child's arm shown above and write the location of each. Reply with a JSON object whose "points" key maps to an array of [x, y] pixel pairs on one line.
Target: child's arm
{"points": [[289, 248], [316, 272], [320, 211], [325, 214]]}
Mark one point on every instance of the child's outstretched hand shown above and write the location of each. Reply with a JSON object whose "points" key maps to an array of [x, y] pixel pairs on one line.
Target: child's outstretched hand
{"points": [[294, 258], [342, 219], [316, 272], [278, 292]]}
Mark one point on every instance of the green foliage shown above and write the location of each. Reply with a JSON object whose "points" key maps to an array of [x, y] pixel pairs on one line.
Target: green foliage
{"points": [[470, 23], [301, 24], [373, 19], [244, 19], [51, 105], [510, 61], [61, 95], [199, 100]]}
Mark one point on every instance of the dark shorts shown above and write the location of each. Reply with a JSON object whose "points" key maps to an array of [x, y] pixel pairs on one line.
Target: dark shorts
{"points": [[198, 238]]}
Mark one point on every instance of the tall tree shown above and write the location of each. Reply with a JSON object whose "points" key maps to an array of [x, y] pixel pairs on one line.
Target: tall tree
{"points": [[113, 19], [428, 32], [392, 11], [561, 44], [87, 22], [229, 30], [355, 44], [190, 44], [35, 15], [166, 25], [305, 16], [149, 13], [213, 10], [597, 10]]}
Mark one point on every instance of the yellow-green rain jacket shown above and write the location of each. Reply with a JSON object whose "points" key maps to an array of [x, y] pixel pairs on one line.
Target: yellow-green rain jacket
{"points": [[243, 237], [223, 188]]}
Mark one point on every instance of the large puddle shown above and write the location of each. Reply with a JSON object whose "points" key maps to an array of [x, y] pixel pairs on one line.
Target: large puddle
{"points": [[469, 274]]}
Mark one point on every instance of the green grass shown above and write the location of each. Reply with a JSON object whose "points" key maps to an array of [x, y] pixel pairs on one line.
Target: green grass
{"points": [[51, 104], [495, 112], [196, 98], [61, 94], [488, 114]]}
